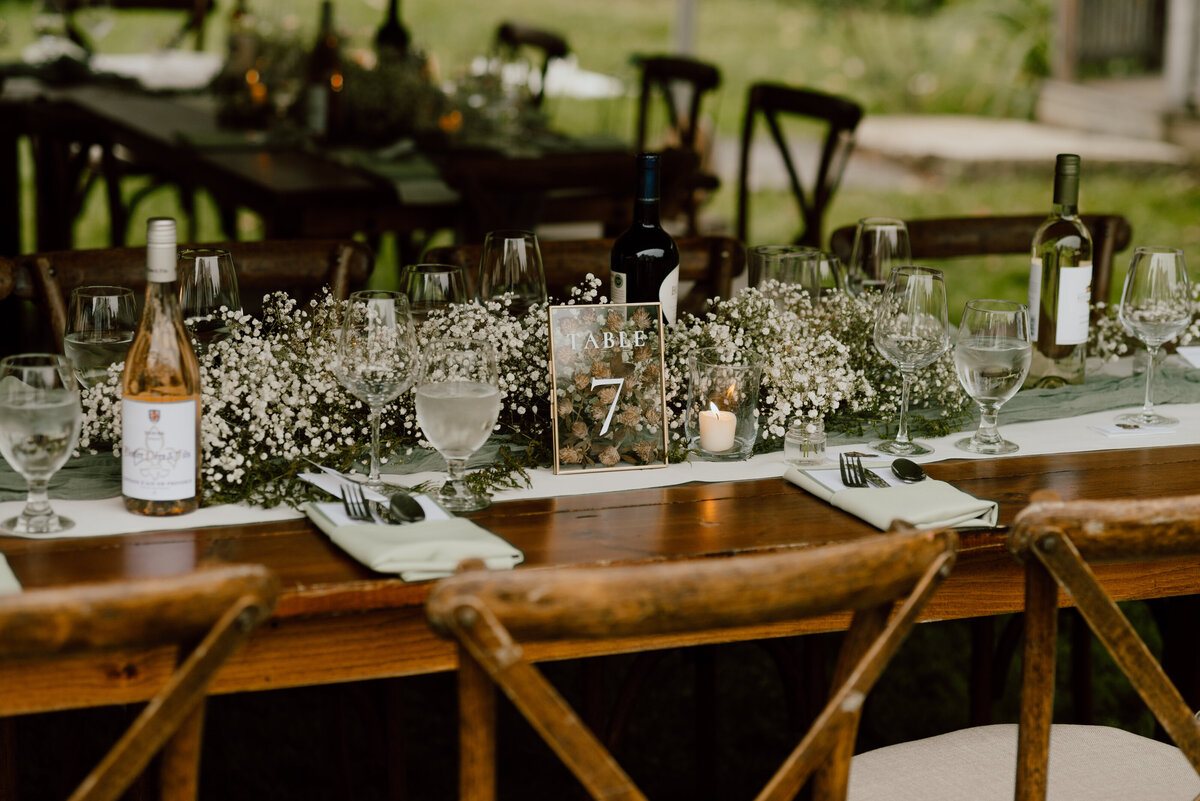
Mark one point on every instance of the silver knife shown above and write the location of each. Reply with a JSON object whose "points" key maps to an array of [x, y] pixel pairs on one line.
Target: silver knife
{"points": [[874, 478]]}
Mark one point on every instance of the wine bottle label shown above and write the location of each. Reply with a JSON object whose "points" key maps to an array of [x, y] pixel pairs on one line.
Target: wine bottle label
{"points": [[158, 449], [620, 287], [317, 109], [1074, 294], [668, 295]]}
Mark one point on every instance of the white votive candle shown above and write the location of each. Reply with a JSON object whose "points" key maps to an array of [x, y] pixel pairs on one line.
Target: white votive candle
{"points": [[717, 429]]}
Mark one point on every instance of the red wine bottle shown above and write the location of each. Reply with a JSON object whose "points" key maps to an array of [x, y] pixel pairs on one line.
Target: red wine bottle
{"points": [[644, 263], [392, 37]]}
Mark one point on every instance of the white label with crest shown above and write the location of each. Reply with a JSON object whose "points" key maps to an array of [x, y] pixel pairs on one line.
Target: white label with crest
{"points": [[158, 449]]}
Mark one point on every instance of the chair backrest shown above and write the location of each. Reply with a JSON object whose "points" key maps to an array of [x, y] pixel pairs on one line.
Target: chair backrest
{"points": [[840, 117], [299, 266], [492, 614], [208, 613], [196, 14], [1056, 540], [710, 262], [954, 237], [681, 83], [513, 36]]}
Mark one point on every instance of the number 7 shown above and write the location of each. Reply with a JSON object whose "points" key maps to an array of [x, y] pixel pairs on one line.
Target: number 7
{"points": [[607, 382]]}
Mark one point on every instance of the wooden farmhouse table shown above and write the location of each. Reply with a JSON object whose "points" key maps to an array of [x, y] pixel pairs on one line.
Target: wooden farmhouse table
{"points": [[340, 622]]}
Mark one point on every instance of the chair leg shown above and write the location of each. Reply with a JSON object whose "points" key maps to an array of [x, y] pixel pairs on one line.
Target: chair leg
{"points": [[1037, 682], [477, 731], [180, 769]]}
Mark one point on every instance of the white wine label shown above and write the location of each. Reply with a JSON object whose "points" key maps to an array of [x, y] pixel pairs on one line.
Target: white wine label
{"points": [[1074, 294], [620, 288], [1035, 296], [668, 295], [158, 449]]}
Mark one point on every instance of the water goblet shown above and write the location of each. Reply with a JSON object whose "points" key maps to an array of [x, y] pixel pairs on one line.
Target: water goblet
{"points": [[816, 271], [911, 331], [207, 284], [39, 427], [376, 357], [511, 262], [880, 243], [1156, 305], [431, 287], [763, 262], [101, 321], [991, 356], [458, 401]]}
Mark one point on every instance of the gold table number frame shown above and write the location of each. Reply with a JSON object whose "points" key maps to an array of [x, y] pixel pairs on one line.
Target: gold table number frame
{"points": [[607, 387]]}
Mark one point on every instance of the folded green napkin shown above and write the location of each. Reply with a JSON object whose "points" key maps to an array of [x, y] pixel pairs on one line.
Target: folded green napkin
{"points": [[925, 504], [417, 551]]}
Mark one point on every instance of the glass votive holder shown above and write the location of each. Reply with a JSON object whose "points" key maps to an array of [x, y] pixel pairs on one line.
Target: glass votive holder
{"points": [[722, 409], [804, 443]]}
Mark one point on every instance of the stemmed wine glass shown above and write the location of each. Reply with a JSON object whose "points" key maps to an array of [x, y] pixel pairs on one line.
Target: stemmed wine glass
{"points": [[1156, 305], [376, 357], [815, 270], [880, 243], [101, 321], [911, 331], [511, 262], [991, 355], [432, 286], [458, 401], [39, 426], [207, 284]]}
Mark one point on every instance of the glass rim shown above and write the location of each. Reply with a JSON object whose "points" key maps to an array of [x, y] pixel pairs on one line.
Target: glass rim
{"points": [[741, 364], [781, 249], [510, 233], [881, 222], [28, 360], [377, 294], [432, 268], [191, 253], [982, 304], [917, 269], [1157, 249], [101, 291]]}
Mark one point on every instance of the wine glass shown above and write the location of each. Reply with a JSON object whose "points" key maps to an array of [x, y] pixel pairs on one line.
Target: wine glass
{"points": [[39, 427], [458, 401], [1156, 305], [432, 286], [763, 261], [880, 243], [101, 321], [991, 355], [207, 284], [376, 357], [814, 270], [511, 262], [911, 331]]}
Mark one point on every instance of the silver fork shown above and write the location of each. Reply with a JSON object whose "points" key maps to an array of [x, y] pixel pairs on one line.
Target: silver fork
{"points": [[852, 471], [355, 503]]}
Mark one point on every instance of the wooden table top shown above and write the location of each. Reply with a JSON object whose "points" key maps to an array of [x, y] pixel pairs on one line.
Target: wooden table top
{"points": [[339, 621]]}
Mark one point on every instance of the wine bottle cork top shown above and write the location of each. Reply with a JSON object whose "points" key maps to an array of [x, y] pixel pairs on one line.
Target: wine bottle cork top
{"points": [[1067, 163]]}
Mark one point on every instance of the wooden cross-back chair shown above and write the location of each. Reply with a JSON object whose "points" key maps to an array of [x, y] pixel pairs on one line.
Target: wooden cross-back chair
{"points": [[299, 266], [207, 614], [840, 117], [1058, 542], [710, 262], [515, 36], [194, 12], [493, 614], [954, 237], [682, 84]]}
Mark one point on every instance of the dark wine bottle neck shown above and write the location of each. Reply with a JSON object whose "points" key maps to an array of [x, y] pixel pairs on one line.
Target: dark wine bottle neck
{"points": [[645, 208]]}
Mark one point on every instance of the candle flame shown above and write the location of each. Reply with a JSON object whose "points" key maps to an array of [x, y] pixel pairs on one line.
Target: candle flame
{"points": [[731, 393], [712, 407]]}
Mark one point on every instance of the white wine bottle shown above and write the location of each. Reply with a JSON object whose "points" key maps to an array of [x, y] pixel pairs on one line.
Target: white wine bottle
{"points": [[644, 264], [160, 406], [1060, 285]]}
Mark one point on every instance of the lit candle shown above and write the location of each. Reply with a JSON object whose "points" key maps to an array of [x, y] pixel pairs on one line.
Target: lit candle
{"points": [[717, 429]]}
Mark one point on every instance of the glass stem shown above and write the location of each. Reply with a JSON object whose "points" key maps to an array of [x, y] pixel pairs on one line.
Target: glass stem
{"points": [[906, 378], [373, 479], [37, 501], [989, 430], [454, 486], [1148, 404]]}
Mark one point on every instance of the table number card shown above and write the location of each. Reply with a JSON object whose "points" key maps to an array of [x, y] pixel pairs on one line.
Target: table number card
{"points": [[607, 390]]}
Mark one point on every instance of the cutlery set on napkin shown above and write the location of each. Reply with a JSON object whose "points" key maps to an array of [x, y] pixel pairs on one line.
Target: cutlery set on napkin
{"points": [[928, 503], [426, 549]]}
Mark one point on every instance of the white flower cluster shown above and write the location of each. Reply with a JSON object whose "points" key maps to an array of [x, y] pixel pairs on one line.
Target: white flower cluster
{"points": [[807, 371]]}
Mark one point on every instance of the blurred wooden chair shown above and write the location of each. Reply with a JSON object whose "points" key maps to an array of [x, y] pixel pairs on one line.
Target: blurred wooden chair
{"points": [[681, 84], [299, 266], [710, 263], [206, 614], [839, 117], [513, 37], [955, 237], [194, 15], [1057, 541], [494, 615]]}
